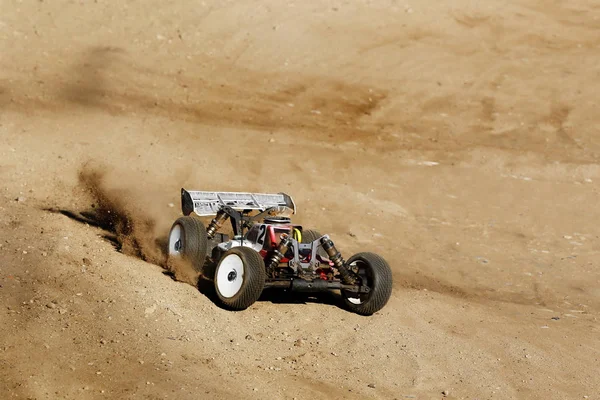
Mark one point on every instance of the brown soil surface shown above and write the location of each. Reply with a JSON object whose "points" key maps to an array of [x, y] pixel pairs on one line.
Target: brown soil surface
{"points": [[459, 140]]}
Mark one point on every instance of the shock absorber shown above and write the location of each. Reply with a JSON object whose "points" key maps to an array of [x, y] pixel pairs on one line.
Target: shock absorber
{"points": [[216, 223], [279, 252], [338, 261]]}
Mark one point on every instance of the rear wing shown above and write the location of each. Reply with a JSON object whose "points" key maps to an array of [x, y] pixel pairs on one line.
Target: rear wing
{"points": [[209, 203]]}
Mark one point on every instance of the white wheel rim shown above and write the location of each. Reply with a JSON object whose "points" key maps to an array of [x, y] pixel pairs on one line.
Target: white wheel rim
{"points": [[230, 275], [175, 241], [354, 300]]}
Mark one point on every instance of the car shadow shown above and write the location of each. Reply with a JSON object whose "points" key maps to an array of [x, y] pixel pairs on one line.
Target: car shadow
{"points": [[279, 296]]}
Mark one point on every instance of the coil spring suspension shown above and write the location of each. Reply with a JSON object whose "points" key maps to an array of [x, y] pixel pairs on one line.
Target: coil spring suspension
{"points": [[215, 224], [279, 253], [338, 261]]}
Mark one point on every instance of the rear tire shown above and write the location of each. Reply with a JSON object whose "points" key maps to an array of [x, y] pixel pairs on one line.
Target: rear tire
{"points": [[240, 278], [188, 242], [377, 275]]}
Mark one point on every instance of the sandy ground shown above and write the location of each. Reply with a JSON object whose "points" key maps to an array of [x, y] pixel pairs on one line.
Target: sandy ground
{"points": [[459, 140]]}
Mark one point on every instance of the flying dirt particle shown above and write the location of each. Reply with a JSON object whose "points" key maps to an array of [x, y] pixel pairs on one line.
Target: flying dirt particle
{"points": [[116, 211]]}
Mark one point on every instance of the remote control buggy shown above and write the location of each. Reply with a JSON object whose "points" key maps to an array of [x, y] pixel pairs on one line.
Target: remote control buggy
{"points": [[268, 251]]}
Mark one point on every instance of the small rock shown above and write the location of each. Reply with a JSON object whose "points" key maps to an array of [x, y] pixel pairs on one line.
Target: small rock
{"points": [[555, 318], [62, 310], [24, 251], [171, 205], [51, 305], [371, 385], [44, 254], [299, 342], [20, 199], [271, 140], [248, 337], [98, 372], [102, 341], [86, 261], [445, 392]]}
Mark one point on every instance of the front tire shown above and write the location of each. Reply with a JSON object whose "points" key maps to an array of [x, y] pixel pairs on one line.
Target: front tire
{"points": [[188, 241], [375, 273], [240, 278]]}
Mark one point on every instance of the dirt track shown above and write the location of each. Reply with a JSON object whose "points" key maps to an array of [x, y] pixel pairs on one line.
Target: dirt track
{"points": [[459, 141]]}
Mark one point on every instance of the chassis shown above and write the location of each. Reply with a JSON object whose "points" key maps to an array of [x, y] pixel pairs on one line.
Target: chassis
{"points": [[268, 251]]}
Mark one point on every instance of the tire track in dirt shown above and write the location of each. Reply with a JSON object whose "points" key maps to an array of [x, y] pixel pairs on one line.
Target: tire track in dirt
{"points": [[109, 80]]}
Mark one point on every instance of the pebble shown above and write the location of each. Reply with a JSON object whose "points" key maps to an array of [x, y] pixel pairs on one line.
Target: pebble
{"points": [[271, 140], [20, 199], [51, 305], [299, 342], [371, 385], [248, 337], [445, 392], [171, 205]]}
